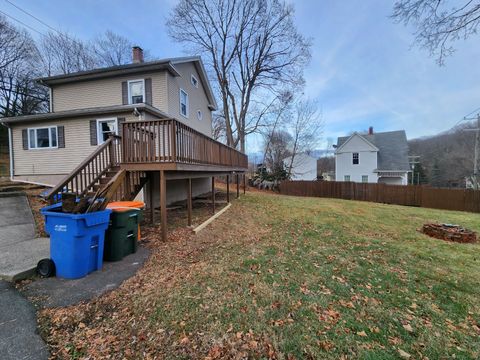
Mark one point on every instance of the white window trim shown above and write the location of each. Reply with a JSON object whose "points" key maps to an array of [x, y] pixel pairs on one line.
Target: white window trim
{"points": [[353, 158], [193, 77], [128, 89], [180, 103], [99, 129], [42, 127]]}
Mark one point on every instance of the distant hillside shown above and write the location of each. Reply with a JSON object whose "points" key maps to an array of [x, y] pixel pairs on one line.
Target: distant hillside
{"points": [[447, 157]]}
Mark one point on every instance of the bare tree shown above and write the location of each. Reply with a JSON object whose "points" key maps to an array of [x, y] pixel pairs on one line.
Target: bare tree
{"points": [[218, 127], [277, 150], [111, 49], [19, 94], [253, 49], [305, 128], [63, 54], [438, 24]]}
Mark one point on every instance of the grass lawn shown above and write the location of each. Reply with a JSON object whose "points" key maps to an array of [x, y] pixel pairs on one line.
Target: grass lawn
{"points": [[289, 278]]}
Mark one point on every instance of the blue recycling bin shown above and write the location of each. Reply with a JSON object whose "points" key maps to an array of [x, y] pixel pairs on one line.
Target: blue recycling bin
{"points": [[76, 240]]}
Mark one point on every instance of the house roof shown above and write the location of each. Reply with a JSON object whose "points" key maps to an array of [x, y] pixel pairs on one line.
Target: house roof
{"points": [[392, 149], [167, 64], [84, 112]]}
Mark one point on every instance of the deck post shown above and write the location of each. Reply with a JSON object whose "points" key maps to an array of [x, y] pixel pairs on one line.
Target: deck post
{"points": [[151, 205], [213, 193], [189, 201], [244, 183], [228, 189], [163, 204], [238, 185]]}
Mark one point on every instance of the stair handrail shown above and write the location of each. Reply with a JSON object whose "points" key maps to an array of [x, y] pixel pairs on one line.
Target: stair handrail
{"points": [[67, 179]]}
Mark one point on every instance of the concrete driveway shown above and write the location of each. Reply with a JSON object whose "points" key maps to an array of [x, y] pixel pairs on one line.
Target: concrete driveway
{"points": [[20, 251]]}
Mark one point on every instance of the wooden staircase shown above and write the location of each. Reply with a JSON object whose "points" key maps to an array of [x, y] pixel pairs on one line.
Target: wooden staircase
{"points": [[97, 171]]}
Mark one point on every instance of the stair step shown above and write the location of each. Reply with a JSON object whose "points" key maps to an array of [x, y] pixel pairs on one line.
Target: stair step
{"points": [[105, 180]]}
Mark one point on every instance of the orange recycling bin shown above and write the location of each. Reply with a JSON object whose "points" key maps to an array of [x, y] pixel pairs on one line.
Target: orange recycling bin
{"points": [[120, 206]]}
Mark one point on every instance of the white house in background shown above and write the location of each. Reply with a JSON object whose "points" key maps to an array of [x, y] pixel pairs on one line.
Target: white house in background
{"points": [[373, 158], [304, 167]]}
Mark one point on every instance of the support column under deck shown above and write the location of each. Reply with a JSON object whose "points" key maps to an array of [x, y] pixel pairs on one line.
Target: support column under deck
{"points": [[238, 186], [163, 204], [228, 189], [189, 201], [213, 194], [151, 205]]}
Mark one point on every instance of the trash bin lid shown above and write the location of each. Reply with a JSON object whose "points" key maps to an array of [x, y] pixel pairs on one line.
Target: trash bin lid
{"points": [[125, 205]]}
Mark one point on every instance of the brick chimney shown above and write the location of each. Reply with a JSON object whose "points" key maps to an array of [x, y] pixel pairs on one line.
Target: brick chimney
{"points": [[370, 130], [137, 55]]}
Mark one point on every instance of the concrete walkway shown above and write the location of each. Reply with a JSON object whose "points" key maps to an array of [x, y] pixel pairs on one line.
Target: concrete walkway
{"points": [[18, 327], [19, 250]]}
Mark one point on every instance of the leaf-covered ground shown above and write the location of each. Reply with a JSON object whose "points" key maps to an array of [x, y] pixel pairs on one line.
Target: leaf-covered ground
{"points": [[289, 278]]}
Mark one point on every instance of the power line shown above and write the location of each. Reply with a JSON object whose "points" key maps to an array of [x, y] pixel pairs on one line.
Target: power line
{"points": [[21, 22], [465, 118], [34, 17]]}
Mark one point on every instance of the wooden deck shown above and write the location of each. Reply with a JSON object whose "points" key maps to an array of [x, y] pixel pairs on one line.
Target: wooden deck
{"points": [[166, 146]]}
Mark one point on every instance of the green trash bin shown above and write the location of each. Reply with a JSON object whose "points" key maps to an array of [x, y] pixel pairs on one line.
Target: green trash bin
{"points": [[121, 238]]}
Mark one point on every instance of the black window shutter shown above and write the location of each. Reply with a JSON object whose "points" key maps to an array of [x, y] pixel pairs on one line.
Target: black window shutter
{"points": [[120, 120], [124, 93], [148, 91], [61, 136], [93, 132], [25, 139]]}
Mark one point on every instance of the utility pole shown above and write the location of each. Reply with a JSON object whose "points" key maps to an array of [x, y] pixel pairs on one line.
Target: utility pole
{"points": [[414, 160], [476, 157], [477, 154]]}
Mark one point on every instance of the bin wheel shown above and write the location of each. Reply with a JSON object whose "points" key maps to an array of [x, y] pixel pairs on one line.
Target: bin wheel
{"points": [[46, 268]]}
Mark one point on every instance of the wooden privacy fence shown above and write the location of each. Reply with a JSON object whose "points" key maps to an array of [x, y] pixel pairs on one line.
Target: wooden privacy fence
{"points": [[408, 195]]}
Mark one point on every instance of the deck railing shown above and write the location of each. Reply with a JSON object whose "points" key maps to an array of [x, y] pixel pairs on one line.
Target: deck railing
{"points": [[170, 141]]}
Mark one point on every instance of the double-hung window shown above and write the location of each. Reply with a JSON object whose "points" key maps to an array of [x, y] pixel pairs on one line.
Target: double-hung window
{"points": [[346, 178], [42, 138], [355, 159], [183, 103], [365, 178], [136, 91], [106, 127]]}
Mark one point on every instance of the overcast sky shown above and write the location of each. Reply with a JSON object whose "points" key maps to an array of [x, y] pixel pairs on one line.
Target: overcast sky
{"points": [[364, 71]]}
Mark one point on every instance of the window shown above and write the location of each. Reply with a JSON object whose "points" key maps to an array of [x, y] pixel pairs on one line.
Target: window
{"points": [[105, 127], [355, 159], [194, 81], [183, 103], [136, 91], [42, 138], [346, 178], [365, 178], [199, 115]]}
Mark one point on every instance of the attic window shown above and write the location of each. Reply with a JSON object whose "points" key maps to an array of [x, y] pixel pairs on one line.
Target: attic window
{"points": [[355, 159], [136, 91], [194, 81]]}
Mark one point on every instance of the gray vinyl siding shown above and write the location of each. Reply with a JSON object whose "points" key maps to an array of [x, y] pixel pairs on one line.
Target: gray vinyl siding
{"points": [[106, 92], [197, 99]]}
